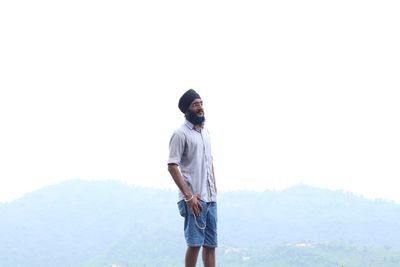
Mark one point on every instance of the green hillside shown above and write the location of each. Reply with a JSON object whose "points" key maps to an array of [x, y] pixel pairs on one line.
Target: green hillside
{"points": [[93, 224]]}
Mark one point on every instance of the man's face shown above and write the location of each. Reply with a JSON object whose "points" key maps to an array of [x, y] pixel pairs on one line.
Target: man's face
{"points": [[197, 107], [195, 113]]}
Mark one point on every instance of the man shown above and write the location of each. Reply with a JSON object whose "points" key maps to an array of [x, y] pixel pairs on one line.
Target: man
{"points": [[190, 165]]}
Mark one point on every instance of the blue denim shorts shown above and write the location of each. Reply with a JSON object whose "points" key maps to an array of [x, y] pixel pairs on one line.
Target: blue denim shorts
{"points": [[200, 230]]}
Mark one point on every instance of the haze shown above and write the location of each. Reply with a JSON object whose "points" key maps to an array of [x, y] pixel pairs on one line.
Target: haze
{"points": [[294, 92]]}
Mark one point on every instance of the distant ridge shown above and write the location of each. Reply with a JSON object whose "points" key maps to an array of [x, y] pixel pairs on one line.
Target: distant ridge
{"points": [[91, 223]]}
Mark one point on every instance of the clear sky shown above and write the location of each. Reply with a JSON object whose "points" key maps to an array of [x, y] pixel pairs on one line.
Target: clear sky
{"points": [[294, 91]]}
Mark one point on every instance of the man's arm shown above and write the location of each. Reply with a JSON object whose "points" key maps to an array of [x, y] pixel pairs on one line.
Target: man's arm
{"points": [[191, 200], [177, 176]]}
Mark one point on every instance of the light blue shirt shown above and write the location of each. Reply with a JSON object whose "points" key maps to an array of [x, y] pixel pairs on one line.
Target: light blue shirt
{"points": [[191, 151]]}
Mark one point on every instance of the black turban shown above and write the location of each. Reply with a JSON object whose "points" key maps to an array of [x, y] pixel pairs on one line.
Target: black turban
{"points": [[186, 99]]}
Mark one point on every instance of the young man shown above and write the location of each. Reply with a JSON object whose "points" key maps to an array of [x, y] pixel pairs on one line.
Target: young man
{"points": [[190, 165]]}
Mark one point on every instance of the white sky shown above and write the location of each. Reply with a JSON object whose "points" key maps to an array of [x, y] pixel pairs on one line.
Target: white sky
{"points": [[294, 91]]}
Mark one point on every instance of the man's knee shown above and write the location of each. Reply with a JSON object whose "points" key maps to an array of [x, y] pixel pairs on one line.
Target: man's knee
{"points": [[209, 249], [193, 249]]}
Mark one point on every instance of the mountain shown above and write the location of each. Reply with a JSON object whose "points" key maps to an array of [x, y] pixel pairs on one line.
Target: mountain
{"points": [[100, 223], [304, 213]]}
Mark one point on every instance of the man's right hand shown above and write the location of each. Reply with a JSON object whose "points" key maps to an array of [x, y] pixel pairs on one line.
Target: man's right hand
{"points": [[194, 205]]}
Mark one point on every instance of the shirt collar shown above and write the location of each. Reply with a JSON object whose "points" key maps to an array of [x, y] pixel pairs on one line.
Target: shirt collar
{"points": [[190, 125]]}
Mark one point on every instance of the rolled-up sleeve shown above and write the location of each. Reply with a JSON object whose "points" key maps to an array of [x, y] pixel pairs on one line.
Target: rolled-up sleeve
{"points": [[176, 148]]}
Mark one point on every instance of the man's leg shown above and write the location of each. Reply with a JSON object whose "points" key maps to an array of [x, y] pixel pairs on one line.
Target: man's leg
{"points": [[209, 256], [191, 256], [211, 236]]}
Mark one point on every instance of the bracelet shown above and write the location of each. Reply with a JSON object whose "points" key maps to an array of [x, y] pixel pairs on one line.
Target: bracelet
{"points": [[187, 200]]}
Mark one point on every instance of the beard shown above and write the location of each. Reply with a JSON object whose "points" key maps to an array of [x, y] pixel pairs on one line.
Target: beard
{"points": [[193, 118]]}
